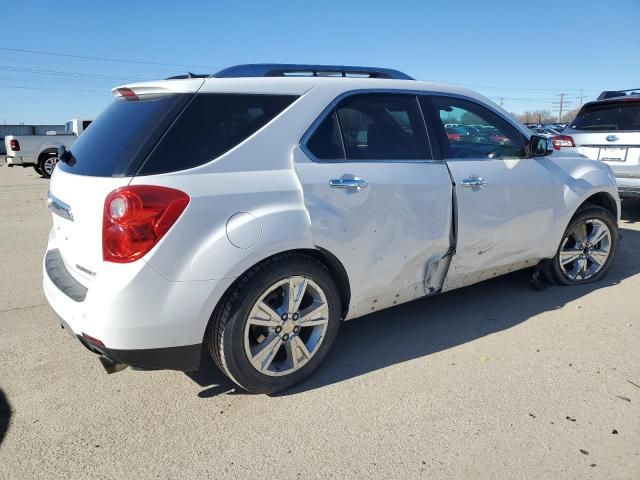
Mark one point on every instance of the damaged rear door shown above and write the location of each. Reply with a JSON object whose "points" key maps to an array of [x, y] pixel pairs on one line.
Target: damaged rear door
{"points": [[504, 200], [377, 199]]}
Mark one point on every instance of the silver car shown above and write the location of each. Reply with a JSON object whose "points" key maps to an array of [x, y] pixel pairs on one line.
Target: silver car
{"points": [[608, 130]]}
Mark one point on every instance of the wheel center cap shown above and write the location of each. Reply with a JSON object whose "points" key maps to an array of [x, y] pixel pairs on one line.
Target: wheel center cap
{"points": [[287, 327]]}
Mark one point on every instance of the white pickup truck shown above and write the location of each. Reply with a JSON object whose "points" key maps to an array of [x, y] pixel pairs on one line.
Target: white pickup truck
{"points": [[41, 151]]}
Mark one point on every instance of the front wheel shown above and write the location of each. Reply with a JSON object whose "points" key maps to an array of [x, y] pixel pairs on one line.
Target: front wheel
{"points": [[277, 324], [587, 247]]}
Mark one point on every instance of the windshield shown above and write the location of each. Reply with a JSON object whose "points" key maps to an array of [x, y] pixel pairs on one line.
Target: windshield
{"points": [[122, 135], [622, 115]]}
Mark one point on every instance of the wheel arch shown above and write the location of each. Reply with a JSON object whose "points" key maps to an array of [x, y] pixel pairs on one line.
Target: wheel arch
{"points": [[602, 199], [47, 151], [330, 261]]}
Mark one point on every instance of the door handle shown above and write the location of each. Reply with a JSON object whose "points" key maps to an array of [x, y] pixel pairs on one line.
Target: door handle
{"points": [[474, 182], [348, 182]]}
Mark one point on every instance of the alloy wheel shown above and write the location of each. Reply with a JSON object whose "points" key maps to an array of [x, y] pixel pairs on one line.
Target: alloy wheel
{"points": [[49, 164], [286, 326], [584, 250]]}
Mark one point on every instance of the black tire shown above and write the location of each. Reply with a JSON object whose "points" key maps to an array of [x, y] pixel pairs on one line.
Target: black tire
{"points": [[225, 335], [38, 171], [43, 159], [552, 270]]}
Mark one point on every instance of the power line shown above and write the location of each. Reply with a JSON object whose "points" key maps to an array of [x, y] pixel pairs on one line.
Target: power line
{"points": [[68, 74], [103, 59], [22, 87]]}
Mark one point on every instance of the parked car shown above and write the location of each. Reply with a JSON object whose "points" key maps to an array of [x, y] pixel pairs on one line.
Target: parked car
{"points": [[235, 216], [40, 151], [608, 130], [558, 127]]}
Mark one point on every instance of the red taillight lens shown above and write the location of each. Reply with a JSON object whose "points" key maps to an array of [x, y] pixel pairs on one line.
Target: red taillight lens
{"points": [[560, 141], [136, 217], [15, 145], [93, 340]]}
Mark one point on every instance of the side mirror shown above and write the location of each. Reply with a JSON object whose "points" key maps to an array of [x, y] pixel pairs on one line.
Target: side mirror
{"points": [[61, 150], [540, 146]]}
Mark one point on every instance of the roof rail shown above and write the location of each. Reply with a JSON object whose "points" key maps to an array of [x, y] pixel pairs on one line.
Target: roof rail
{"points": [[286, 70], [618, 93], [189, 75]]}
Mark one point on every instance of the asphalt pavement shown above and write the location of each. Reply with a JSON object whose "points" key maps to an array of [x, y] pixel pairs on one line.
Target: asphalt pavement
{"points": [[496, 380]]}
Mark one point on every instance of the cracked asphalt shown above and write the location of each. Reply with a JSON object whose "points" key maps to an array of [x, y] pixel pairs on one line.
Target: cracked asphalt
{"points": [[491, 381]]}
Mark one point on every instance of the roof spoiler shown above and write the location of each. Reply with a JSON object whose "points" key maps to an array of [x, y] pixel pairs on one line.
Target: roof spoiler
{"points": [[189, 75], [618, 93]]}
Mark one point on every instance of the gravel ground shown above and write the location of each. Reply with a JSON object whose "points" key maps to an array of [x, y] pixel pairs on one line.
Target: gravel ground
{"points": [[492, 381]]}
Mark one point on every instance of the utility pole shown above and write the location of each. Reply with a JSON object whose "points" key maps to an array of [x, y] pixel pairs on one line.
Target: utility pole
{"points": [[501, 101], [561, 105]]}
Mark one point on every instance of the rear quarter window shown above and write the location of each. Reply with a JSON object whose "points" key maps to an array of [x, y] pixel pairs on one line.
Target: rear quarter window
{"points": [[211, 125]]}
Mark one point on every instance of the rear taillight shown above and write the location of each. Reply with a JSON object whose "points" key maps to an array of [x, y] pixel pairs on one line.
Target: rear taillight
{"points": [[136, 217], [560, 141], [93, 340], [15, 145]]}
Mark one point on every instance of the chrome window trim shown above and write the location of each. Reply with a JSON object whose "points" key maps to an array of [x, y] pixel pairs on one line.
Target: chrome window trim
{"points": [[331, 106]]}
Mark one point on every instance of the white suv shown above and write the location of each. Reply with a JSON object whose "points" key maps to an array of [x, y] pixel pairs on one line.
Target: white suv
{"points": [[608, 130], [248, 213]]}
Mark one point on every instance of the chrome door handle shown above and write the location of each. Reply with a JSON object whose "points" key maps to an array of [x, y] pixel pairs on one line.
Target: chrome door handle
{"points": [[474, 182], [351, 182]]}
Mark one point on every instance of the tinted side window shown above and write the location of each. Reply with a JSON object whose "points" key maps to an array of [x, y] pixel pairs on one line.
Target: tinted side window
{"points": [[383, 127], [211, 125], [326, 141], [473, 131]]}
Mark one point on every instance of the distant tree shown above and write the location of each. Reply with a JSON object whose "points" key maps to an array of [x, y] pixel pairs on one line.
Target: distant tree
{"points": [[570, 115], [468, 118], [535, 116]]}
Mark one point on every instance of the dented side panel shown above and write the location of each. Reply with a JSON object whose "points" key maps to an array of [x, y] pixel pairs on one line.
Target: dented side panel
{"points": [[508, 223], [389, 236]]}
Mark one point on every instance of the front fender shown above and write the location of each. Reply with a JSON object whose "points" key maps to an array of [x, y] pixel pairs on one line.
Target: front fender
{"points": [[576, 179]]}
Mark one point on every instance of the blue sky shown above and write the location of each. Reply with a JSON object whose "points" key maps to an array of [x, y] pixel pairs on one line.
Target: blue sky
{"points": [[523, 52]]}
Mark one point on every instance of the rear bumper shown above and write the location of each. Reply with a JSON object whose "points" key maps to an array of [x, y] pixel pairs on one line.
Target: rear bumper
{"points": [[138, 317], [185, 358], [628, 185], [19, 161]]}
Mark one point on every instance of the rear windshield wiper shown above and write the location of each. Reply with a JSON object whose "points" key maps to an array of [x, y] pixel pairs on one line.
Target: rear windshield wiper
{"points": [[66, 156]]}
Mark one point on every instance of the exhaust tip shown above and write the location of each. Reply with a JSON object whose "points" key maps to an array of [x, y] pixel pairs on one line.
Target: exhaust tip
{"points": [[111, 366]]}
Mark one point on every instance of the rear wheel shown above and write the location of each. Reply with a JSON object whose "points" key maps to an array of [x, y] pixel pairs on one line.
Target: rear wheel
{"points": [[46, 163], [587, 247], [277, 324], [37, 169]]}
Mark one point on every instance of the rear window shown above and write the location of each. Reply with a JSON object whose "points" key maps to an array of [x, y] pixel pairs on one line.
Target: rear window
{"points": [[122, 135], [623, 116], [211, 125], [169, 133]]}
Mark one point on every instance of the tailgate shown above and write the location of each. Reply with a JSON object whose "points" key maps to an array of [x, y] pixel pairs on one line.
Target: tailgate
{"points": [[77, 203], [618, 149]]}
